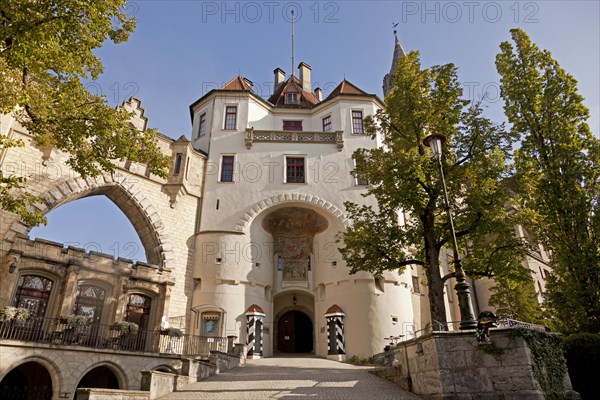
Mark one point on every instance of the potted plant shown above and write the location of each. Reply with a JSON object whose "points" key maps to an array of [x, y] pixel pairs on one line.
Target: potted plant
{"points": [[17, 314], [75, 321], [172, 332], [125, 327]]}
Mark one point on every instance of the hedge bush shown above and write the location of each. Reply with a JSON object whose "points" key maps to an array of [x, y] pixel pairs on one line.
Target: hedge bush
{"points": [[582, 351]]}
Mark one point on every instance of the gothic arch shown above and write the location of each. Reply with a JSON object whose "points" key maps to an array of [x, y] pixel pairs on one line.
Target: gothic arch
{"points": [[262, 205], [120, 373], [122, 190]]}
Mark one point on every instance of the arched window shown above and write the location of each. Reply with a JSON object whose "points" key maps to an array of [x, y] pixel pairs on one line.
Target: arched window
{"points": [[138, 309], [33, 293], [89, 302]]}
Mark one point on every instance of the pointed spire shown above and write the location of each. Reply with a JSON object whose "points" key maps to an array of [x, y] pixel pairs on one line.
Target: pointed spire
{"points": [[398, 54]]}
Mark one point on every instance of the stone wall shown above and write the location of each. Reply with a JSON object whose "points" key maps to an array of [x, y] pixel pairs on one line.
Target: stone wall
{"points": [[452, 365]]}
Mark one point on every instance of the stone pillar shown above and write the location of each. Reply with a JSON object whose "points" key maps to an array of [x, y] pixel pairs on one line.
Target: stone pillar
{"points": [[70, 290], [336, 343], [255, 316], [230, 346]]}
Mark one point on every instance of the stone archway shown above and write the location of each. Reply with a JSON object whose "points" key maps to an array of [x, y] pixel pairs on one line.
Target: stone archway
{"points": [[28, 381], [122, 190]]}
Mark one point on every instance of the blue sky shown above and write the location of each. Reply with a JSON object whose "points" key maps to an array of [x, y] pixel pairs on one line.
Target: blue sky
{"points": [[182, 49]]}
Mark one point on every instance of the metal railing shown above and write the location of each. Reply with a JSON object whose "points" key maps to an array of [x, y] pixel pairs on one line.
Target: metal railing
{"points": [[53, 331]]}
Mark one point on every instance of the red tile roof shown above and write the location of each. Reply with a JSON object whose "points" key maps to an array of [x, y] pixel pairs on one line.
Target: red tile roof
{"points": [[346, 87], [334, 309], [254, 308], [238, 83], [307, 99]]}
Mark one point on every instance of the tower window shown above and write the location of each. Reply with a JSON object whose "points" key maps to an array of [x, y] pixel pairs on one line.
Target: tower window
{"points": [[227, 168], [357, 122], [230, 117], [292, 125], [177, 168], [202, 125], [327, 124], [294, 170]]}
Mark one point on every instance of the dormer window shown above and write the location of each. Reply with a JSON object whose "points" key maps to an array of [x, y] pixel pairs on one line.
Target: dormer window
{"points": [[292, 98]]}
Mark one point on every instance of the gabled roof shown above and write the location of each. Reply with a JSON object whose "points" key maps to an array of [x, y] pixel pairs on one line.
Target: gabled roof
{"points": [[238, 83], [346, 87], [307, 99]]}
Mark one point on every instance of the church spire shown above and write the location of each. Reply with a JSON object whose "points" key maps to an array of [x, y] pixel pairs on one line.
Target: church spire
{"points": [[398, 54]]}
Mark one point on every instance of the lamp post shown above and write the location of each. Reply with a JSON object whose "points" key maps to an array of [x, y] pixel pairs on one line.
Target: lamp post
{"points": [[462, 287]]}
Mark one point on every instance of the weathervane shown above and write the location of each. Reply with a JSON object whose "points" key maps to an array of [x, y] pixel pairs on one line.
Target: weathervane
{"points": [[394, 25]]}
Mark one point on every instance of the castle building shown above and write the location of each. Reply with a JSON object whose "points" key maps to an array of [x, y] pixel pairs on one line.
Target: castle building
{"points": [[241, 243]]}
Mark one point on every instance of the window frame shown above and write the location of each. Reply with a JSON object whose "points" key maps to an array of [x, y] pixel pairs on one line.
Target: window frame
{"points": [[292, 123], [295, 96], [354, 122], [287, 158], [222, 170], [202, 125], [227, 127], [328, 125]]}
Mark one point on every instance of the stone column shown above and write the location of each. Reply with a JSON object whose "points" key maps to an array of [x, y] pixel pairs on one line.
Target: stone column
{"points": [[255, 316], [335, 329]]}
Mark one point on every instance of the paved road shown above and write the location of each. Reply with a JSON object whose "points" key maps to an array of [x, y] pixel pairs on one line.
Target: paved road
{"points": [[293, 379]]}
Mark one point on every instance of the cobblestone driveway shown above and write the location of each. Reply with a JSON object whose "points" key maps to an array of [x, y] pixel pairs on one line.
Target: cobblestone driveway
{"points": [[294, 378]]}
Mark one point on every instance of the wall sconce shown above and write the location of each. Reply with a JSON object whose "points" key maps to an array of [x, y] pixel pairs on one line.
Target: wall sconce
{"points": [[294, 300]]}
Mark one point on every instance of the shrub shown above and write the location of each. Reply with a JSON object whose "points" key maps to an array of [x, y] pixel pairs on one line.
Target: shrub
{"points": [[582, 351], [172, 332], [75, 321], [17, 314], [125, 327]]}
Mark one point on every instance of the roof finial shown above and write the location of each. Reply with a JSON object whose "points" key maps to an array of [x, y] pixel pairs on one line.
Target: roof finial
{"points": [[293, 64], [394, 25]]}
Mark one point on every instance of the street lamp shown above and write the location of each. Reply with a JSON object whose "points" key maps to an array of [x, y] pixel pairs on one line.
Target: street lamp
{"points": [[463, 290]]}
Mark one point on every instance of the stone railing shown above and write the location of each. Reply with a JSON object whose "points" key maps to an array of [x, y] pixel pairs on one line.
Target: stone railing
{"points": [[54, 331], [256, 136]]}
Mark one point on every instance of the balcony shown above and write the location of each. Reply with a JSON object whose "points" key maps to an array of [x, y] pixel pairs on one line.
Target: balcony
{"points": [[256, 136], [53, 331]]}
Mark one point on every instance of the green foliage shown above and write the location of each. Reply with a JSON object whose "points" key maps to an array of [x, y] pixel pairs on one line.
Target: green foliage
{"points": [[557, 176], [549, 366], [403, 177], [125, 327], [358, 360], [583, 354], [75, 321], [17, 314], [491, 349], [172, 332], [518, 299], [46, 50]]}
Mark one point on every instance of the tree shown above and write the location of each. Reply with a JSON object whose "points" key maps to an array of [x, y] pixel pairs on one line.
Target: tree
{"points": [[403, 176], [558, 165], [45, 53]]}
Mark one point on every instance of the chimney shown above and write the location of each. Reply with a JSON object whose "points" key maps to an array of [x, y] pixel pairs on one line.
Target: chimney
{"points": [[319, 94], [305, 76], [279, 78]]}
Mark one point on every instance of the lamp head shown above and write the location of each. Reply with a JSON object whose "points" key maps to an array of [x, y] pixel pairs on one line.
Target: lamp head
{"points": [[435, 141]]}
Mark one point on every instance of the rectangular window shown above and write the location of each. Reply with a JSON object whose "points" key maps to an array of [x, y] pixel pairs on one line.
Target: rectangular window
{"points": [[230, 117], [294, 169], [210, 324], [327, 124], [357, 123], [415, 283], [177, 168], [292, 125], [291, 98], [227, 168], [202, 127]]}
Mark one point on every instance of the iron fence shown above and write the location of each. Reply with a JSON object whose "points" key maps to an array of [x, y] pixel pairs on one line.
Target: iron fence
{"points": [[55, 331]]}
